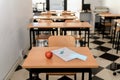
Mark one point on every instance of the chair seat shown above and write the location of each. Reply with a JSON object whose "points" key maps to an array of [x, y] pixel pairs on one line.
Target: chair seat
{"points": [[118, 29], [62, 73], [42, 36], [107, 24]]}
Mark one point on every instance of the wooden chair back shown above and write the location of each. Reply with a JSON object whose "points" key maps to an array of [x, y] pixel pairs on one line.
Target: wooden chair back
{"points": [[46, 21], [67, 13], [61, 41], [72, 20]]}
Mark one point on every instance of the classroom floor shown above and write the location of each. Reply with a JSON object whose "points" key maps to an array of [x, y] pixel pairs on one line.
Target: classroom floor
{"points": [[102, 51]]}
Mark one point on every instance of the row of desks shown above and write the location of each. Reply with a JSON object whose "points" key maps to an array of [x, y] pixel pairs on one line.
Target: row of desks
{"points": [[66, 26], [49, 17], [36, 62], [58, 13]]}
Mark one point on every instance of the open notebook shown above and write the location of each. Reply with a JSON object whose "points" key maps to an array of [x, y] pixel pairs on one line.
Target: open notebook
{"points": [[67, 54]]}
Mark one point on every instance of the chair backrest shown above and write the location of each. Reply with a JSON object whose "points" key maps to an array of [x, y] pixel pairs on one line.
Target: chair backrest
{"points": [[72, 20], [68, 13], [61, 41], [47, 21]]}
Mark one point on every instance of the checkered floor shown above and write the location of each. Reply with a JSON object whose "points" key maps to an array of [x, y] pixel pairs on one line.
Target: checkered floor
{"points": [[102, 51]]}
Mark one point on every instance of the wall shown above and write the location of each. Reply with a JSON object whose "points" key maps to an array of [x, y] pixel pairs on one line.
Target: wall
{"points": [[74, 5], [113, 5], [14, 18], [38, 1], [94, 3]]}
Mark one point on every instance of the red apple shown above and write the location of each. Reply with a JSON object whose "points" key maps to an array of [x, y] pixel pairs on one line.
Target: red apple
{"points": [[48, 54]]}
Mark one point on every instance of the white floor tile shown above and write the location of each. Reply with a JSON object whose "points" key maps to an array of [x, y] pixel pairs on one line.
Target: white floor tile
{"points": [[97, 52], [20, 75], [108, 75], [103, 62], [92, 45], [107, 45]]}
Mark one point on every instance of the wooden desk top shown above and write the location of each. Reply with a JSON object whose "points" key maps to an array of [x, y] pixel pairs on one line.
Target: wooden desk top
{"points": [[36, 59], [55, 12], [49, 13], [54, 17], [60, 25], [109, 15]]}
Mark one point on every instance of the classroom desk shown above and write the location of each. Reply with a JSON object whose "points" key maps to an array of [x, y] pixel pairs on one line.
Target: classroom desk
{"points": [[85, 26], [54, 18], [54, 13], [107, 16], [36, 62], [57, 12]]}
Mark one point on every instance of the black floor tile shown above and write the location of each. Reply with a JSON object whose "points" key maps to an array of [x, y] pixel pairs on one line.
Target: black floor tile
{"points": [[98, 42], [96, 78], [102, 48], [96, 70], [95, 37], [34, 78], [108, 37], [109, 57]]}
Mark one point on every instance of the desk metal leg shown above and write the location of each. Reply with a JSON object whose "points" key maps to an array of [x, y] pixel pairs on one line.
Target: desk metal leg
{"points": [[30, 34], [113, 38], [90, 74], [30, 75], [47, 77], [34, 42], [118, 41], [103, 29], [85, 38], [88, 36], [65, 32], [114, 35], [100, 26], [32, 37], [82, 75], [74, 76]]}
